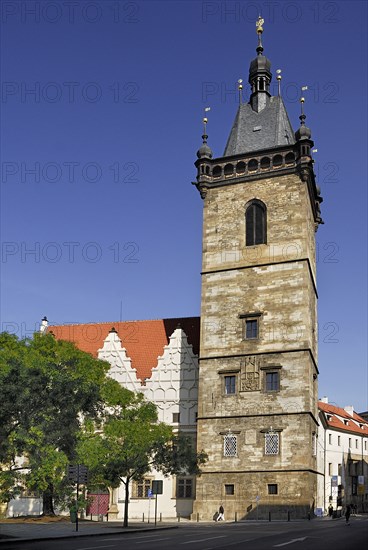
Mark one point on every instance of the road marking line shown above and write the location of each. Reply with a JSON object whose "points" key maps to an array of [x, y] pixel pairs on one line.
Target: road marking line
{"points": [[151, 540], [150, 536], [229, 544], [289, 542], [202, 540]]}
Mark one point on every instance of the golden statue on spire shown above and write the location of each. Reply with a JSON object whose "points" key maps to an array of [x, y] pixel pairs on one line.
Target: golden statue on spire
{"points": [[259, 25]]}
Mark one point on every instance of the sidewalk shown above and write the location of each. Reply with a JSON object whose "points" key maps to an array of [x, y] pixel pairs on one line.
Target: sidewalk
{"points": [[42, 531]]}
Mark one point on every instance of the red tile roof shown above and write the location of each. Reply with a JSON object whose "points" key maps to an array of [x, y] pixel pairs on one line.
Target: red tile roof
{"points": [[143, 340], [337, 423]]}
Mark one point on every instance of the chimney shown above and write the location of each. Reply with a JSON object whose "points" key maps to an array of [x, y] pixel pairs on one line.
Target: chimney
{"points": [[349, 409], [325, 400], [44, 325]]}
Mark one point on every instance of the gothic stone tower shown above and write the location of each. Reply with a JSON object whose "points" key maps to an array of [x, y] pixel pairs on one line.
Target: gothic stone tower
{"points": [[257, 411]]}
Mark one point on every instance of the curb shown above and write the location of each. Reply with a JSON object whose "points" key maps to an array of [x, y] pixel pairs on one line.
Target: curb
{"points": [[75, 536]]}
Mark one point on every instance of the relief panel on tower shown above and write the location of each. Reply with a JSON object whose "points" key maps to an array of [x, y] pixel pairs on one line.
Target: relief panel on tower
{"points": [[250, 374]]}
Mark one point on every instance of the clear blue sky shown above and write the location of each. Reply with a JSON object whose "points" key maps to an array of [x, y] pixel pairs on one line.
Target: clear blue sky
{"points": [[111, 132]]}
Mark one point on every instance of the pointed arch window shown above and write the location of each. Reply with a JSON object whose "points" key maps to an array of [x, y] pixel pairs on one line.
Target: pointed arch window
{"points": [[255, 223]]}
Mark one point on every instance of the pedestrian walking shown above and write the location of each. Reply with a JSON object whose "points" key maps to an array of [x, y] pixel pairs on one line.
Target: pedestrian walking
{"points": [[330, 510], [221, 514], [347, 514]]}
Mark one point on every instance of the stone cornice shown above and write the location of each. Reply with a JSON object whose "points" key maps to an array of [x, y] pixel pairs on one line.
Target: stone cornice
{"points": [[227, 417], [278, 470]]}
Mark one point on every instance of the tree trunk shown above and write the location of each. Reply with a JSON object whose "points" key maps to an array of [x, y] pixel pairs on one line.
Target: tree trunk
{"points": [[47, 501], [126, 503]]}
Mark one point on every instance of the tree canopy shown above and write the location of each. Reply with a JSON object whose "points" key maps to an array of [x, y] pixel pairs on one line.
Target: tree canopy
{"points": [[58, 406], [130, 441], [48, 388]]}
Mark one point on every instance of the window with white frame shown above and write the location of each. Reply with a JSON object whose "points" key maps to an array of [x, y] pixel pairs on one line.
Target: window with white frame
{"points": [[142, 488], [272, 443], [230, 445], [184, 488]]}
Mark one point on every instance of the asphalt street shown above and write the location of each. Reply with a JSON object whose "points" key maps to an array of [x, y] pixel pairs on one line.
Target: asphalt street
{"points": [[312, 535]]}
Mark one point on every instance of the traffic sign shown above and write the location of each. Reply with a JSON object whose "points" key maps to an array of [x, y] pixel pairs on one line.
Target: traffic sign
{"points": [[78, 473], [157, 487]]}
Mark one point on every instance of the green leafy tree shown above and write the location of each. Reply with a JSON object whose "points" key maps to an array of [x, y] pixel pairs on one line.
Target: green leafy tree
{"points": [[48, 387], [15, 395], [130, 441]]}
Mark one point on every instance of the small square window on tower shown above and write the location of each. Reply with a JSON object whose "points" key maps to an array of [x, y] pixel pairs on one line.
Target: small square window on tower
{"points": [[272, 488], [250, 325], [251, 329], [230, 384], [176, 418], [229, 489], [272, 381], [271, 378]]}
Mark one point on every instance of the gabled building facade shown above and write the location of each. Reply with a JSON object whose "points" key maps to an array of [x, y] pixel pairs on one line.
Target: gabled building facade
{"points": [[158, 358]]}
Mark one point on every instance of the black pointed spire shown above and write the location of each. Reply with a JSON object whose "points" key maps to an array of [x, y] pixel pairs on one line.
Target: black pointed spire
{"points": [[260, 74]]}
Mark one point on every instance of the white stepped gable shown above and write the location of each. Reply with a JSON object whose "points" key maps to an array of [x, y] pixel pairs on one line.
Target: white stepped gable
{"points": [[121, 369], [173, 386]]}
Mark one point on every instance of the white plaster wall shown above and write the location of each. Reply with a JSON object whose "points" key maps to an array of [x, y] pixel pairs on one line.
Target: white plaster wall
{"points": [[121, 369], [24, 507], [173, 387], [336, 454]]}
